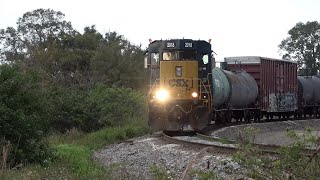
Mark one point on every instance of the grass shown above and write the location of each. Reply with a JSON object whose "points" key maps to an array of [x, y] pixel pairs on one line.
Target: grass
{"points": [[102, 137], [74, 151], [290, 163]]}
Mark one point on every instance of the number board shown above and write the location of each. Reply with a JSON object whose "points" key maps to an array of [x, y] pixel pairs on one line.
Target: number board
{"points": [[170, 44], [188, 44], [180, 44]]}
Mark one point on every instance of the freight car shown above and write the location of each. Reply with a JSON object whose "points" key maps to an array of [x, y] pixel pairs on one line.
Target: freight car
{"points": [[309, 96], [276, 80], [282, 92], [234, 95], [187, 91]]}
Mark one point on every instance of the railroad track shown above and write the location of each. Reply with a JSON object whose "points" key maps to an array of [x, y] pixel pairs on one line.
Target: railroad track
{"points": [[217, 148], [216, 144]]}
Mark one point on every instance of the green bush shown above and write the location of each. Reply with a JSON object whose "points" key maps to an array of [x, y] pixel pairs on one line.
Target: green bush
{"points": [[92, 109], [22, 125], [65, 107], [110, 107]]}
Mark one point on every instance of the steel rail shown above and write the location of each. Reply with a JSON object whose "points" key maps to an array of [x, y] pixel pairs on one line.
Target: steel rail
{"points": [[226, 146]]}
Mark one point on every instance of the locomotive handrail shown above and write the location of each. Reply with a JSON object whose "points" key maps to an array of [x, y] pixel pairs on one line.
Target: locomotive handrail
{"points": [[153, 85], [209, 83], [208, 93]]}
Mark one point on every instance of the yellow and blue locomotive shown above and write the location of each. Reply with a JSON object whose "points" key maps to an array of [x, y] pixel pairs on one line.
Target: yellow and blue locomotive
{"points": [[179, 75]]}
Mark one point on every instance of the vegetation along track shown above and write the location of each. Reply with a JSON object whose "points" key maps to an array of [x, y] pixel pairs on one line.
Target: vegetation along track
{"points": [[220, 145]]}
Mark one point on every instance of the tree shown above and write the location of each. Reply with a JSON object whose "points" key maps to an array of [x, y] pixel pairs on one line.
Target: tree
{"points": [[303, 45], [67, 61], [42, 26], [35, 30], [12, 46], [117, 62]]}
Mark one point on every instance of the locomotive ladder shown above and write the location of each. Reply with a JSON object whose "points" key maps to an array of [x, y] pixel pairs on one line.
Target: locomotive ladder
{"points": [[205, 90]]}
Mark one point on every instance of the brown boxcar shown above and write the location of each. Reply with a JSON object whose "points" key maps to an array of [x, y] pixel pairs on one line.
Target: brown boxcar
{"points": [[276, 80]]}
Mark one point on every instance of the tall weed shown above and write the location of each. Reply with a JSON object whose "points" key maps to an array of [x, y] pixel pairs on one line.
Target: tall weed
{"points": [[290, 163]]}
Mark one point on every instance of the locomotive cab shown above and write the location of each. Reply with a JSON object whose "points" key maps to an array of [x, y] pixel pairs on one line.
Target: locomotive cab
{"points": [[179, 95]]}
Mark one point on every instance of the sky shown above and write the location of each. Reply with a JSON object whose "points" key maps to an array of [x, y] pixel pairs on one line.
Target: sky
{"points": [[236, 27]]}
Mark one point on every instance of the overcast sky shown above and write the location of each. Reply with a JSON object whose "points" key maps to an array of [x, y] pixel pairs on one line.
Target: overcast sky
{"points": [[236, 27]]}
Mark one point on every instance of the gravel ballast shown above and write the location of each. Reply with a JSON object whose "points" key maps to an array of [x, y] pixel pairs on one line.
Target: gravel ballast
{"points": [[140, 158], [135, 159]]}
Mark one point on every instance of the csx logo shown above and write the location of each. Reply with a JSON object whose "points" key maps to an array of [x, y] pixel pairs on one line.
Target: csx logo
{"points": [[178, 83]]}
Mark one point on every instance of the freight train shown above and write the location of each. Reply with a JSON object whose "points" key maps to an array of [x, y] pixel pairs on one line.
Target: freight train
{"points": [[187, 91]]}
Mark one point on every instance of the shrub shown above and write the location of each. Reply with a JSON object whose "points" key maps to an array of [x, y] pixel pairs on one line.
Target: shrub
{"points": [[93, 109], [22, 126], [110, 107], [65, 107]]}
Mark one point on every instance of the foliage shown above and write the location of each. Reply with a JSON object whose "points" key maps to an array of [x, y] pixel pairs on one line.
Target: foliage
{"points": [[65, 107], [42, 26], [134, 127], [79, 158], [210, 175], [75, 149], [67, 80], [118, 62], [91, 110], [112, 106], [291, 163], [73, 152], [22, 123], [160, 173], [35, 30], [45, 42], [248, 135], [303, 45]]}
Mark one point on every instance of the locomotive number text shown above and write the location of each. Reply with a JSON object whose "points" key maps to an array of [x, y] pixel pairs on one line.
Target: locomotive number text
{"points": [[170, 44], [187, 44]]}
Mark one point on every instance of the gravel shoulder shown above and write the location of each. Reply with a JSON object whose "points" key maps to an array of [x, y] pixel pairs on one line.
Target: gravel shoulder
{"points": [[135, 158]]}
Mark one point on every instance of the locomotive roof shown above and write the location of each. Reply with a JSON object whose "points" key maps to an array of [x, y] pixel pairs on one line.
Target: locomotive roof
{"points": [[252, 59], [179, 44]]}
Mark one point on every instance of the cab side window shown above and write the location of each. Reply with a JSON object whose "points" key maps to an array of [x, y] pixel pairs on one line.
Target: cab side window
{"points": [[205, 59], [155, 59]]}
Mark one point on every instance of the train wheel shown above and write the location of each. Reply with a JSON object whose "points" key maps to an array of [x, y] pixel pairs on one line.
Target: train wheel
{"points": [[228, 116], [258, 117], [199, 118], [219, 118]]}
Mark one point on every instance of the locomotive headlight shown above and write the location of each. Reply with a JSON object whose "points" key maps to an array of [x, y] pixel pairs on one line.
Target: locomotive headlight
{"points": [[162, 95], [178, 71], [194, 94]]}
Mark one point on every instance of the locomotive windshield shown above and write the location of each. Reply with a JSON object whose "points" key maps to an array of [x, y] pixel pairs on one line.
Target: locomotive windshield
{"points": [[179, 55]]}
